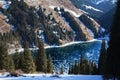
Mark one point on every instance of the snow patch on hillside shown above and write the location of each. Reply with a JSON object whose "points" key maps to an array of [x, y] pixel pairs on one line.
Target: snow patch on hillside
{"points": [[72, 12], [97, 2], [84, 11], [100, 1], [91, 8], [5, 5]]}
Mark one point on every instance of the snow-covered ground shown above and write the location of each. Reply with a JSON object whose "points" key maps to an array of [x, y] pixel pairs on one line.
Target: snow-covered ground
{"points": [[52, 77], [92, 8], [5, 5]]}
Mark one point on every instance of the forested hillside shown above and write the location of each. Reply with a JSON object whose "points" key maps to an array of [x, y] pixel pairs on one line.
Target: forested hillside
{"points": [[52, 26]]}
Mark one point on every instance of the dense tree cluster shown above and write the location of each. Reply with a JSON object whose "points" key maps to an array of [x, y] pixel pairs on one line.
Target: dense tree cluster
{"points": [[25, 60], [6, 61], [74, 25], [83, 67], [10, 37], [88, 22]]}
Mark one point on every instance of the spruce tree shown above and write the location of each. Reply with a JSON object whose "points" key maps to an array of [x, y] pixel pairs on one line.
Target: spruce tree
{"points": [[76, 68], [21, 61], [61, 70], [11, 64], [94, 69], [102, 58], [113, 51], [16, 60], [4, 58], [49, 65], [28, 63], [70, 69], [41, 62]]}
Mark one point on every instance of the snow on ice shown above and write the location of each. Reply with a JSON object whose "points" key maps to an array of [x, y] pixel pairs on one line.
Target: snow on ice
{"points": [[52, 77]]}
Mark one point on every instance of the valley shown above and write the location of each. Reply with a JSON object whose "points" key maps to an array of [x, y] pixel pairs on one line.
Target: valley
{"points": [[69, 33]]}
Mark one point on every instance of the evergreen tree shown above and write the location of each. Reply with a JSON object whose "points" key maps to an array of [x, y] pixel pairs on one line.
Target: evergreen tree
{"points": [[11, 64], [76, 68], [70, 69], [28, 63], [4, 58], [49, 65], [83, 67], [41, 62], [61, 70], [21, 61], [94, 69], [16, 60], [113, 51], [102, 58]]}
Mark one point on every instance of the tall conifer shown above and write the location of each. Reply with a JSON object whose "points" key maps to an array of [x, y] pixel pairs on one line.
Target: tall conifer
{"points": [[49, 65], [41, 62], [28, 64], [4, 58], [102, 58], [16, 59], [113, 51]]}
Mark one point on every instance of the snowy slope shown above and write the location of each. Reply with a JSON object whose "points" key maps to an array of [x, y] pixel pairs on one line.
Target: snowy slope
{"points": [[95, 7], [5, 5], [53, 77], [100, 10]]}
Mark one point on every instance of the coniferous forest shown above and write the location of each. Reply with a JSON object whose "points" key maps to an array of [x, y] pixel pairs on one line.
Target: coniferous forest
{"points": [[28, 20]]}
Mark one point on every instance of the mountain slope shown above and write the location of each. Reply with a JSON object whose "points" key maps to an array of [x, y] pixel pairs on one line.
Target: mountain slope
{"points": [[101, 10], [95, 8], [54, 22]]}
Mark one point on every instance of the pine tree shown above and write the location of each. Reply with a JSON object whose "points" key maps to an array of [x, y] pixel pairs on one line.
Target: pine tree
{"points": [[113, 51], [49, 65], [4, 58], [41, 62], [102, 58], [28, 63]]}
